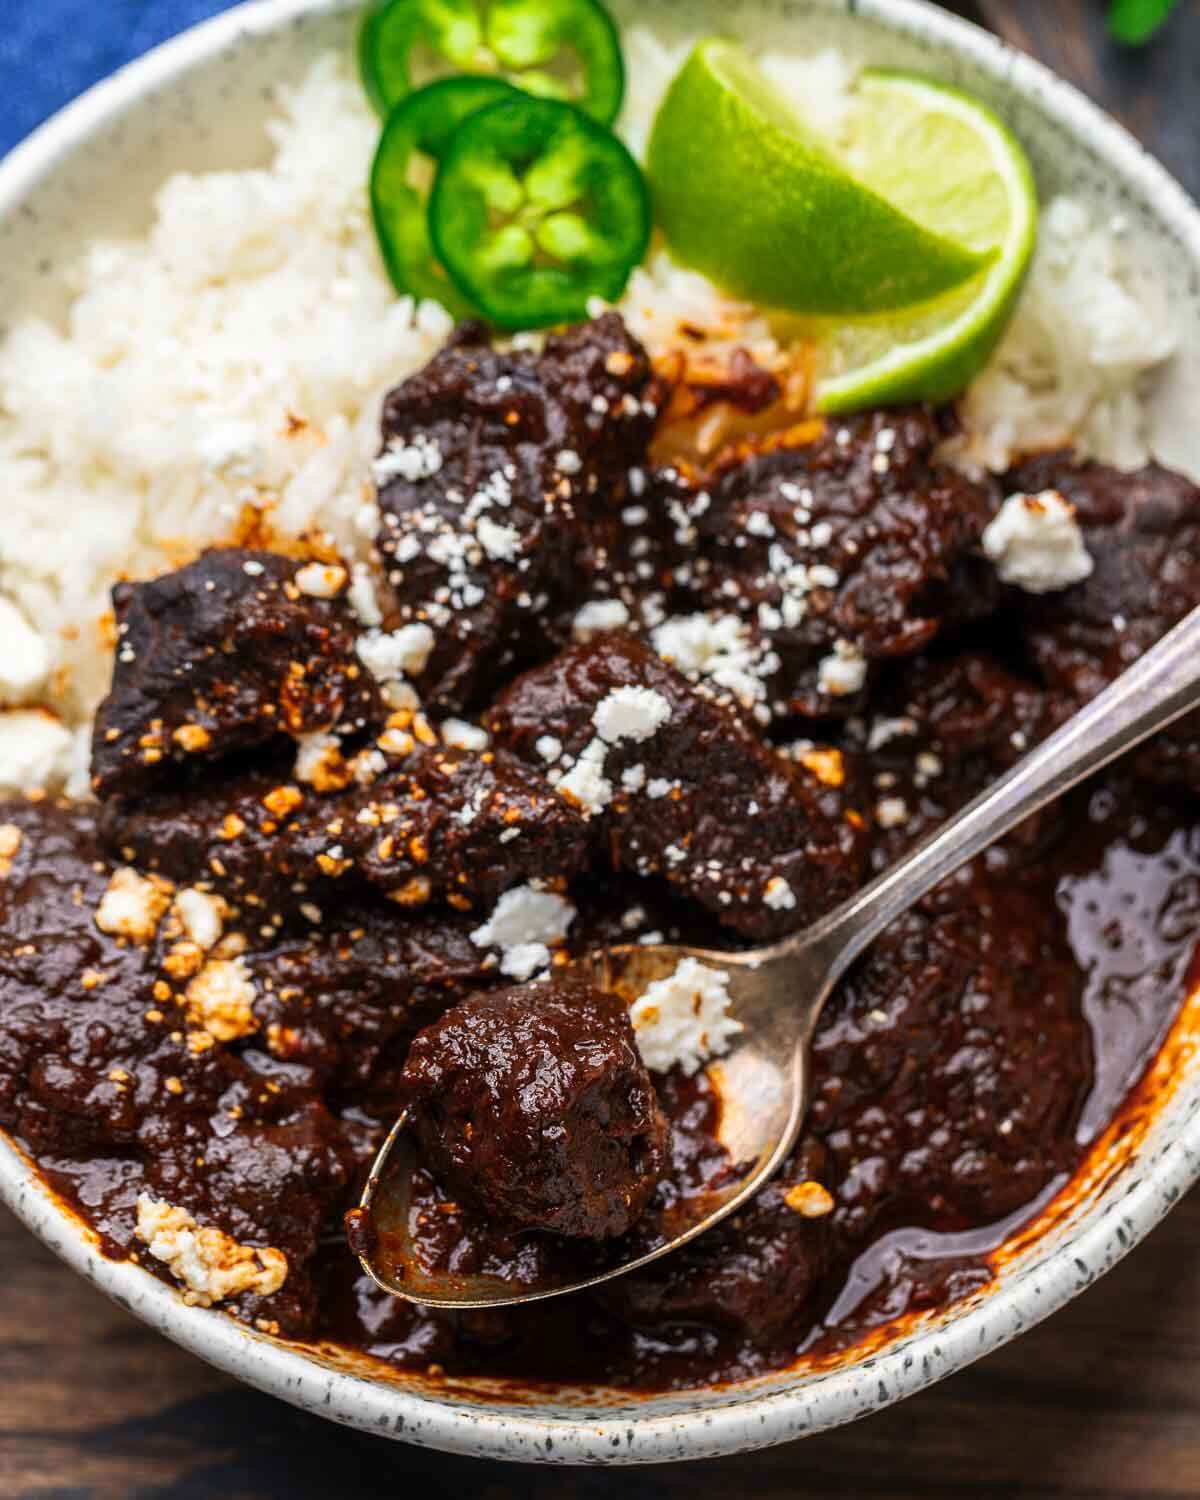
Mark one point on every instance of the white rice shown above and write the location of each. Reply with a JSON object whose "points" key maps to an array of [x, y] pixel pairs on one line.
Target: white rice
{"points": [[236, 356]]}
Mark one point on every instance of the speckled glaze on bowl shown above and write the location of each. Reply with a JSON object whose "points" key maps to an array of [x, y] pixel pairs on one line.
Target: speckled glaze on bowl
{"points": [[199, 102]]}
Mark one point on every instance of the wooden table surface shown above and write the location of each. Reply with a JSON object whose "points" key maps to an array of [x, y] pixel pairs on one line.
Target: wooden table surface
{"points": [[1101, 1401]]}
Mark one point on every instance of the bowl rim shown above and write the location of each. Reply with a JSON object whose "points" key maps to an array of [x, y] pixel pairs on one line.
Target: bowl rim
{"points": [[742, 1418]]}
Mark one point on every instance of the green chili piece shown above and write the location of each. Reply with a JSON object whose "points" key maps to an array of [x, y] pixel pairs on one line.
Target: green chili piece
{"points": [[536, 210], [414, 139], [563, 49]]}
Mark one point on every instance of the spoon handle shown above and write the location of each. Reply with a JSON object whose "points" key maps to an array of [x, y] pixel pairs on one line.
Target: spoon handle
{"points": [[1156, 690]]}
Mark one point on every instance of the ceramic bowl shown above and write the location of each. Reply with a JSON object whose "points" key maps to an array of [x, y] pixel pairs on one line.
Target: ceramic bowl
{"points": [[199, 102]]}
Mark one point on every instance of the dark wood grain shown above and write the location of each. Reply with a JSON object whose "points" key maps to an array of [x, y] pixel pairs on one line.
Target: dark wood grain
{"points": [[1153, 89], [1100, 1403]]}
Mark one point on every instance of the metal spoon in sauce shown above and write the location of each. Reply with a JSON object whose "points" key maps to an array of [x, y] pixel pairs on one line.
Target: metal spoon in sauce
{"points": [[778, 994]]}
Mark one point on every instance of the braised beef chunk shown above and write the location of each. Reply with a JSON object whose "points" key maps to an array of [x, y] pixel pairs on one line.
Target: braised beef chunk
{"points": [[492, 463], [437, 824], [841, 552], [685, 790], [1143, 533], [534, 1105], [753, 1275], [345, 999], [222, 655], [940, 732]]}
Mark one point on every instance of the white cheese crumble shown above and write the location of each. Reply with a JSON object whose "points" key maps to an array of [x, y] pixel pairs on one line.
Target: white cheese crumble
{"points": [[210, 1264], [630, 713], [133, 905], [35, 750], [10, 844], [634, 779], [362, 597], [459, 735], [598, 616], [414, 461], [568, 462], [501, 543], [719, 648], [891, 812], [220, 1000], [321, 580], [843, 671], [24, 656], [548, 747], [1036, 543], [318, 758], [202, 916], [525, 960], [392, 654], [525, 924], [779, 895], [585, 784], [683, 1020], [884, 731]]}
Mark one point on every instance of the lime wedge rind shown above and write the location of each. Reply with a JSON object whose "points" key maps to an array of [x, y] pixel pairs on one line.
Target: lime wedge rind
{"points": [[938, 365], [747, 195]]}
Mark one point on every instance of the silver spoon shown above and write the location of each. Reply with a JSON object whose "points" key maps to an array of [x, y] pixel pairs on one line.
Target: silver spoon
{"points": [[778, 993]]}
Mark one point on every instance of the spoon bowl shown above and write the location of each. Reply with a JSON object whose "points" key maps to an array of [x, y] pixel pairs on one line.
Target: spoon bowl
{"points": [[777, 994], [762, 1083]]}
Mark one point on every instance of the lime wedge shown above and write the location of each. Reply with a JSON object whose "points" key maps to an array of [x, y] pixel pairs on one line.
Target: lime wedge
{"points": [[954, 167], [747, 194]]}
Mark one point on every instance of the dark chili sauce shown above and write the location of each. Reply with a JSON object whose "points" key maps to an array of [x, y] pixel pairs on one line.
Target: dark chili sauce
{"points": [[962, 1071]]}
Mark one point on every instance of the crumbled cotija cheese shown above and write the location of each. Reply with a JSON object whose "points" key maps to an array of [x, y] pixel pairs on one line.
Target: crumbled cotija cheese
{"points": [[779, 895], [319, 762], [525, 925], [630, 713], [362, 597], [202, 915], [459, 735], [321, 580], [585, 784], [220, 1000], [683, 1020], [719, 648], [597, 617], [843, 671], [133, 905], [388, 655], [416, 460], [10, 844], [500, 542], [210, 1264], [1036, 543]]}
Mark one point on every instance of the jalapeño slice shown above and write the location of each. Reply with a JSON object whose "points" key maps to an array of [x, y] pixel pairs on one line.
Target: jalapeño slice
{"points": [[536, 209], [414, 139], [557, 49]]}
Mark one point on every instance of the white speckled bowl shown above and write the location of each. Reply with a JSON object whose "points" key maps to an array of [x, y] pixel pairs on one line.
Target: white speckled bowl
{"points": [[199, 102]]}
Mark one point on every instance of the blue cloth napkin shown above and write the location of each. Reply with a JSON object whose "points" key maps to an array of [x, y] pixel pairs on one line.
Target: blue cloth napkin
{"points": [[52, 50]]}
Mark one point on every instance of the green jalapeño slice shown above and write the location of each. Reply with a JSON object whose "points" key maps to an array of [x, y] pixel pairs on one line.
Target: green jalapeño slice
{"points": [[536, 210], [414, 140], [555, 49]]}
